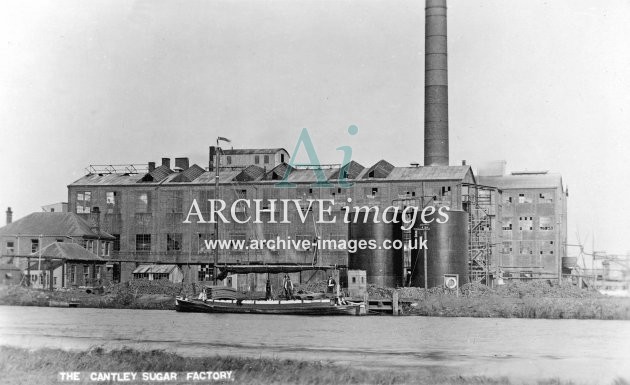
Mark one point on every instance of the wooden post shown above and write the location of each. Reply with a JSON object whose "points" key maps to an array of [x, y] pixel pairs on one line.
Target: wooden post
{"points": [[28, 271], [52, 273], [366, 300], [63, 274], [395, 302]]}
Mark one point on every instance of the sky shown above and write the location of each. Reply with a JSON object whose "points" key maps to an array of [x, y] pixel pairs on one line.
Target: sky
{"points": [[544, 85]]}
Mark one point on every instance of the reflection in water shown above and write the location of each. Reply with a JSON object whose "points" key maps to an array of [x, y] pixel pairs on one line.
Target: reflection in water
{"points": [[580, 350]]}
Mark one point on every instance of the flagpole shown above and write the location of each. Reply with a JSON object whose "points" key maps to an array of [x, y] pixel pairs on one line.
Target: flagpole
{"points": [[215, 269], [216, 222]]}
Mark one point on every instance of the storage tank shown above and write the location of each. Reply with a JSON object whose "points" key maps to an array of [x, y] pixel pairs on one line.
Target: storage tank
{"points": [[447, 250], [383, 267], [569, 262]]}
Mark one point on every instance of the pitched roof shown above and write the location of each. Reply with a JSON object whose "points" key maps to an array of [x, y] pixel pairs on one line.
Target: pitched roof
{"points": [[160, 269], [157, 175], [381, 169], [53, 224], [429, 173], [250, 151], [522, 181], [352, 170], [250, 173], [69, 251], [188, 175]]}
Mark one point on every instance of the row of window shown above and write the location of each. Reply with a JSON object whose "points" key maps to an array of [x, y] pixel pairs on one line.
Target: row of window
{"points": [[174, 199], [528, 247], [528, 198], [527, 224]]}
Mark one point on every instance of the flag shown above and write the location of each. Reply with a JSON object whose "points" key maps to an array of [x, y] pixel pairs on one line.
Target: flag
{"points": [[223, 139]]}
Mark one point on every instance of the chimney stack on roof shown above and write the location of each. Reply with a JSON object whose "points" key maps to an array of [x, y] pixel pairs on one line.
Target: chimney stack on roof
{"points": [[212, 153], [182, 163], [166, 162], [9, 215], [435, 85], [151, 166]]}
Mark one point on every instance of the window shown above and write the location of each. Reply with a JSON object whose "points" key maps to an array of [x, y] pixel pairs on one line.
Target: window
{"points": [[354, 279], [173, 242], [111, 201], [545, 197], [199, 240], [370, 192], [526, 248], [545, 223], [204, 273], [34, 245], [86, 274], [10, 247], [525, 223], [524, 198], [174, 201], [54, 278], [507, 225], [228, 159], [143, 242], [281, 158], [446, 190], [73, 274], [266, 159], [116, 245], [157, 276], [84, 202], [89, 246], [256, 159], [142, 202], [105, 249]]}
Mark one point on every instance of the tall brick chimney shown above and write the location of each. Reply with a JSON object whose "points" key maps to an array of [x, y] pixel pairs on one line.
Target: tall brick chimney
{"points": [[9, 215]]}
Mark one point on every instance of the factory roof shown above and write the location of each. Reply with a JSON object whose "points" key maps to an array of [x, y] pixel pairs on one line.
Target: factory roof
{"points": [[523, 180], [382, 170], [53, 224], [68, 251], [159, 269], [250, 151], [430, 173]]}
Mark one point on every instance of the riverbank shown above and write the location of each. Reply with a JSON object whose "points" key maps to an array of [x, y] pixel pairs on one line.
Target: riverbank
{"points": [[21, 366], [536, 299]]}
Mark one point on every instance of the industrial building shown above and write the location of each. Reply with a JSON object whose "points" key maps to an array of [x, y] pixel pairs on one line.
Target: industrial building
{"points": [[506, 227]]}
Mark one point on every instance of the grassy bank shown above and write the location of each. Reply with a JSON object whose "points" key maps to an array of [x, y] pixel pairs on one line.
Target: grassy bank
{"points": [[537, 299], [20, 366]]}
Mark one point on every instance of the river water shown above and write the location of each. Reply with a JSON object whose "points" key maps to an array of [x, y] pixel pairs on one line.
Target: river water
{"points": [[522, 349]]}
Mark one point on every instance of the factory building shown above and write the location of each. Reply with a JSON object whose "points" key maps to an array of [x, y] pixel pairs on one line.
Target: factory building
{"points": [[509, 226], [145, 212], [533, 223]]}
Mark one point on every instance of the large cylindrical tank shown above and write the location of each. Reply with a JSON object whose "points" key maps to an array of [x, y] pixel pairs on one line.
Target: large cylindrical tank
{"points": [[383, 267], [447, 250], [569, 262]]}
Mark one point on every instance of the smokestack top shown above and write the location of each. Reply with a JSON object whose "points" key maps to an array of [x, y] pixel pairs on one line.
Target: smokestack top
{"points": [[166, 162], [435, 85], [9, 215]]}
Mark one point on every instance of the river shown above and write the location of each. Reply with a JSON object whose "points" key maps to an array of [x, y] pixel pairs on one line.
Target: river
{"points": [[522, 349]]}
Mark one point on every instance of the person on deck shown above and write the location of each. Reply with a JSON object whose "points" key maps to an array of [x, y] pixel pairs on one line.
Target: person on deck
{"points": [[268, 294], [288, 287], [331, 284]]}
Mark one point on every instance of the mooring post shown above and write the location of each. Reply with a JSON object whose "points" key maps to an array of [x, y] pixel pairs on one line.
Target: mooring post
{"points": [[395, 302]]}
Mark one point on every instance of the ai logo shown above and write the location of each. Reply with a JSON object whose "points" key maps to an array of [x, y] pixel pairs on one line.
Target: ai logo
{"points": [[305, 141]]}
